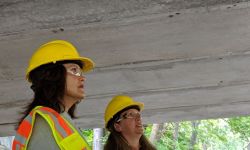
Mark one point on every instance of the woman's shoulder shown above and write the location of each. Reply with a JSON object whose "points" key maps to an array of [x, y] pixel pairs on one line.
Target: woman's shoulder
{"points": [[42, 136]]}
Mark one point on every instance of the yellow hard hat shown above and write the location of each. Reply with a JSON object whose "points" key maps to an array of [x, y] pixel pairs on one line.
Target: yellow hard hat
{"points": [[117, 104], [54, 51]]}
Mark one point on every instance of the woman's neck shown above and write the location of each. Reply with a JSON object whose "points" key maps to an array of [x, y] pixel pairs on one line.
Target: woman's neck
{"points": [[68, 103], [133, 142]]}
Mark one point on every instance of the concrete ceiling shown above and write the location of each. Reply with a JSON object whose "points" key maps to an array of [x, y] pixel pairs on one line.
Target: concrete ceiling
{"points": [[185, 60]]}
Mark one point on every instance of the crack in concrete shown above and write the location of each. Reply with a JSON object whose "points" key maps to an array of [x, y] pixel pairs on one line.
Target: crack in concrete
{"points": [[138, 93], [149, 65]]}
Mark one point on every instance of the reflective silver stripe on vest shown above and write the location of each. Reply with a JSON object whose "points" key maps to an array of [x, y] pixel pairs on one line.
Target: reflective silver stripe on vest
{"points": [[57, 125], [18, 147], [20, 138], [29, 118]]}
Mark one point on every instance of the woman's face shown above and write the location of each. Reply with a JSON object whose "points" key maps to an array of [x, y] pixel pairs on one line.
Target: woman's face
{"points": [[130, 123], [74, 82]]}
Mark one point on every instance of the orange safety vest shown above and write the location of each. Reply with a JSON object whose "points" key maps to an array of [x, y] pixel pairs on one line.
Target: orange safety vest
{"points": [[66, 136]]}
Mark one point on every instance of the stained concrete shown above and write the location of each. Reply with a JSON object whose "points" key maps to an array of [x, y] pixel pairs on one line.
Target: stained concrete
{"points": [[185, 60]]}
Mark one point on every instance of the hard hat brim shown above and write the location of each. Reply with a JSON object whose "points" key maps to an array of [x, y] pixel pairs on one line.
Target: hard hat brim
{"points": [[88, 64]]}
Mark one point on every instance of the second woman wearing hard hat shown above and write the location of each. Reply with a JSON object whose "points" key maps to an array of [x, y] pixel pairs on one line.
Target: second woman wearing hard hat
{"points": [[55, 72], [123, 120]]}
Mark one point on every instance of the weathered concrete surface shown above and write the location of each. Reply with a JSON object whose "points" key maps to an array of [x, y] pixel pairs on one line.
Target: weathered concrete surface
{"points": [[22, 17], [184, 60]]}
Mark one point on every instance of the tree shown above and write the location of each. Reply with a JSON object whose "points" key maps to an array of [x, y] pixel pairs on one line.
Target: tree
{"points": [[157, 131], [195, 125], [176, 134], [97, 139]]}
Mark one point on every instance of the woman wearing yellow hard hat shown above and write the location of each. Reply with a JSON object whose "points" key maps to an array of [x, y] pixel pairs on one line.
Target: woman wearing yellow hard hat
{"points": [[123, 120], [55, 72]]}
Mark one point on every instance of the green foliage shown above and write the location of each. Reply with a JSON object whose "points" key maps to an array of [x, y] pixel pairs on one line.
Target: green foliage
{"points": [[228, 134], [105, 136], [147, 130], [88, 134], [214, 134], [241, 126]]}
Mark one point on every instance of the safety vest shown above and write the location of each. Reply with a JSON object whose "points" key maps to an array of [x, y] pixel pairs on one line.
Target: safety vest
{"points": [[66, 136]]}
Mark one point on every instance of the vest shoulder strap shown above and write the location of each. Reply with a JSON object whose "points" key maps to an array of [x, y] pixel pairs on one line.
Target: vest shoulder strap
{"points": [[62, 130]]}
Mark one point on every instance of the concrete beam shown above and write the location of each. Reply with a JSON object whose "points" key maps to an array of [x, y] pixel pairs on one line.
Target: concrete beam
{"points": [[181, 90]]}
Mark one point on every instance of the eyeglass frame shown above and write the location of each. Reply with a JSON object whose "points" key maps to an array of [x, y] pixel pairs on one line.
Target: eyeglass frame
{"points": [[136, 115], [78, 72]]}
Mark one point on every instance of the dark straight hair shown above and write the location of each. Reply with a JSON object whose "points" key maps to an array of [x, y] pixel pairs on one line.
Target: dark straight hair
{"points": [[48, 84], [116, 141]]}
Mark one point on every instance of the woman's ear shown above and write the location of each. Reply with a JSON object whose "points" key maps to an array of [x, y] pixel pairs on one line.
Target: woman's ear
{"points": [[117, 127]]}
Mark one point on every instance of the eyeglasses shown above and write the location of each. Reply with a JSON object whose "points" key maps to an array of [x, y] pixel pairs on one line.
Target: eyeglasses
{"points": [[75, 71], [130, 115]]}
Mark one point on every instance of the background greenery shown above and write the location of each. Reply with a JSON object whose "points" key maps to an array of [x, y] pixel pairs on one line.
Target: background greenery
{"points": [[213, 134]]}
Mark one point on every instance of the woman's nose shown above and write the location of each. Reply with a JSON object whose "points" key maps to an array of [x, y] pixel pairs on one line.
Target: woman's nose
{"points": [[82, 78]]}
